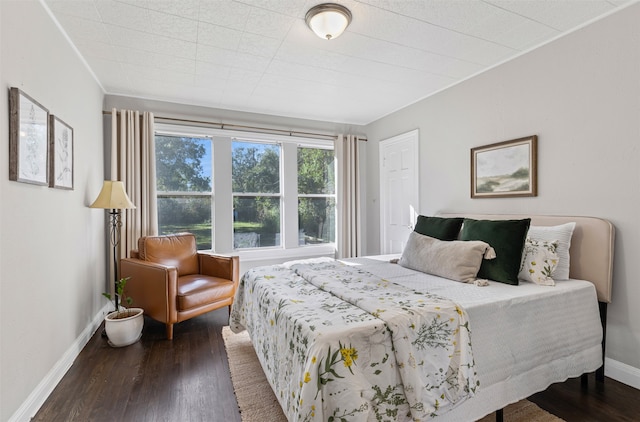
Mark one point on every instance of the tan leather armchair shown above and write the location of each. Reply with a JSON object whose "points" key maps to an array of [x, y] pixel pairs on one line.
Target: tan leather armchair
{"points": [[173, 282]]}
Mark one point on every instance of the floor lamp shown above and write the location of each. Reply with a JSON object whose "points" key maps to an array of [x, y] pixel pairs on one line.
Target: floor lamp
{"points": [[114, 198]]}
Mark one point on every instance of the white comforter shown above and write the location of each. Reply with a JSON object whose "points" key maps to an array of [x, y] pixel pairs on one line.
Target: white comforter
{"points": [[525, 337]]}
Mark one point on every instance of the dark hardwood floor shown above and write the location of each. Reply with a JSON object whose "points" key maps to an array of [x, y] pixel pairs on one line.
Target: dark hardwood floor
{"points": [[611, 401], [187, 379]]}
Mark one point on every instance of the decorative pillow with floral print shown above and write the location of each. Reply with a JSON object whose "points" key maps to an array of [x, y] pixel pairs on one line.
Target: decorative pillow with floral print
{"points": [[539, 261]]}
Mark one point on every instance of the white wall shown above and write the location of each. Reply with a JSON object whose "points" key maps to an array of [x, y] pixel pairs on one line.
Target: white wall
{"points": [[52, 269], [581, 95]]}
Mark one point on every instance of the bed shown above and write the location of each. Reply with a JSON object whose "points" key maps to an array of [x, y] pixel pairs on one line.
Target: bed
{"points": [[331, 353]]}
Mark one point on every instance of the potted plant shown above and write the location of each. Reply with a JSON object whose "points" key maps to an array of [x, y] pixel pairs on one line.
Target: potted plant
{"points": [[124, 325]]}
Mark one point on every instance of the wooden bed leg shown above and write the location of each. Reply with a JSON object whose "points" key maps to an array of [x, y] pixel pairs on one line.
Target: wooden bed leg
{"points": [[603, 320], [499, 415]]}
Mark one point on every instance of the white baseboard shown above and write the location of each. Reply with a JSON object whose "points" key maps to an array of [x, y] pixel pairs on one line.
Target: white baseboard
{"points": [[622, 372], [36, 399]]}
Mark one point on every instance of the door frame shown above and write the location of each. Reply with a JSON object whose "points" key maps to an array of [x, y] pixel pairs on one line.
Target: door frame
{"points": [[414, 137]]}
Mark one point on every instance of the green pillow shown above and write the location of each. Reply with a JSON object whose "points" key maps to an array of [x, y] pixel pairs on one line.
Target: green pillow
{"points": [[439, 227], [507, 238]]}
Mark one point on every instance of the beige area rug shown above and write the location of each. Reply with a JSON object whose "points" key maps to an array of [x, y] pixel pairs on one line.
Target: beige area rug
{"points": [[257, 402]]}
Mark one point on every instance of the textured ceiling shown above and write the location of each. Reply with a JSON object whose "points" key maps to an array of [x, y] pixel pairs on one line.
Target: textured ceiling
{"points": [[259, 55]]}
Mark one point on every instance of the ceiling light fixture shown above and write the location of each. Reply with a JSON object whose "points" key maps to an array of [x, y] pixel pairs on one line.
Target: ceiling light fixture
{"points": [[328, 20]]}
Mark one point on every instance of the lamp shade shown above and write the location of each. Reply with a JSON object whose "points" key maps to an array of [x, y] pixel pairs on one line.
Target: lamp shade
{"points": [[328, 20], [112, 196]]}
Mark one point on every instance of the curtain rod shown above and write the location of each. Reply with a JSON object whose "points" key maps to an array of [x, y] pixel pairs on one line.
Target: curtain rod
{"points": [[249, 128]]}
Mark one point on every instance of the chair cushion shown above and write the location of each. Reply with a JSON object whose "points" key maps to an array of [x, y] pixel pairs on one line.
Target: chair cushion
{"points": [[178, 250], [197, 290]]}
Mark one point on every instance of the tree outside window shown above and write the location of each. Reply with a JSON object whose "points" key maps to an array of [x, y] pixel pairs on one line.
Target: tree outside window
{"points": [[316, 196], [256, 194], [184, 186], [251, 193]]}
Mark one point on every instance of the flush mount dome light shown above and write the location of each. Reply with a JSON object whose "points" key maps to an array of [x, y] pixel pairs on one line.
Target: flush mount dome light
{"points": [[328, 20]]}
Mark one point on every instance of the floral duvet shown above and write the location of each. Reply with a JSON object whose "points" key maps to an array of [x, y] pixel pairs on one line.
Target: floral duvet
{"points": [[340, 344]]}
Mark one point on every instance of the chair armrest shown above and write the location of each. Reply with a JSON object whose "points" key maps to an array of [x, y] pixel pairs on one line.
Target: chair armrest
{"points": [[227, 267], [153, 287]]}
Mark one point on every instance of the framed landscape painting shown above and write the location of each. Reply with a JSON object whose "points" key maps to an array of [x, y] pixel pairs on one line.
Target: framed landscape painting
{"points": [[505, 169]]}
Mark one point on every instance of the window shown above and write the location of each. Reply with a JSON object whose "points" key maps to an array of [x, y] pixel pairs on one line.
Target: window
{"points": [[316, 196], [256, 194], [184, 185]]}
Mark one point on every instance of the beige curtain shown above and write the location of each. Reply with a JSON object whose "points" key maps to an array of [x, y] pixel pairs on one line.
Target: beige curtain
{"points": [[133, 163], [349, 240]]}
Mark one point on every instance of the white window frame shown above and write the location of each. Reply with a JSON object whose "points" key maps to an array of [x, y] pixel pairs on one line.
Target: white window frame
{"points": [[222, 193]]}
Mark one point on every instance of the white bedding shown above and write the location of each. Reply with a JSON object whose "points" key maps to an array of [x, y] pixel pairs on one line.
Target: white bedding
{"points": [[524, 337]]}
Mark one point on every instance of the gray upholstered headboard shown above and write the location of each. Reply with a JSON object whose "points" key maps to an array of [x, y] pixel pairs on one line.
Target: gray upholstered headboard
{"points": [[591, 246]]}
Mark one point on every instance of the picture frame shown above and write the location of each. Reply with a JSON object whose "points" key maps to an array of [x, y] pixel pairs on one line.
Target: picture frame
{"points": [[28, 139], [60, 153], [505, 169]]}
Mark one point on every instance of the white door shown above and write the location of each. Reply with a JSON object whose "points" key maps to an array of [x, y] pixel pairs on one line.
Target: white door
{"points": [[398, 190]]}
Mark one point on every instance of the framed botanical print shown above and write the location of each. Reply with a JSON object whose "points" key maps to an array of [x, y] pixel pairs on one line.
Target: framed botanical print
{"points": [[61, 153], [28, 139]]}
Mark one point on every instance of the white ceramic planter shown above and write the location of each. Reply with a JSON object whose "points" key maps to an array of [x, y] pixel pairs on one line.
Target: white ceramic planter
{"points": [[124, 331]]}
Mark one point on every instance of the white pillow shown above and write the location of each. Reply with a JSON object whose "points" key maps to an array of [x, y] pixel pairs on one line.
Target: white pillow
{"points": [[457, 260], [562, 234], [539, 261]]}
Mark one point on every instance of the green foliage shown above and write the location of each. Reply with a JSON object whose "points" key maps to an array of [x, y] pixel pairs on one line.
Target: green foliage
{"points": [[316, 175], [316, 217], [256, 170], [179, 164], [119, 294], [246, 227], [260, 214], [269, 213], [316, 171], [202, 231], [184, 210], [179, 168]]}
